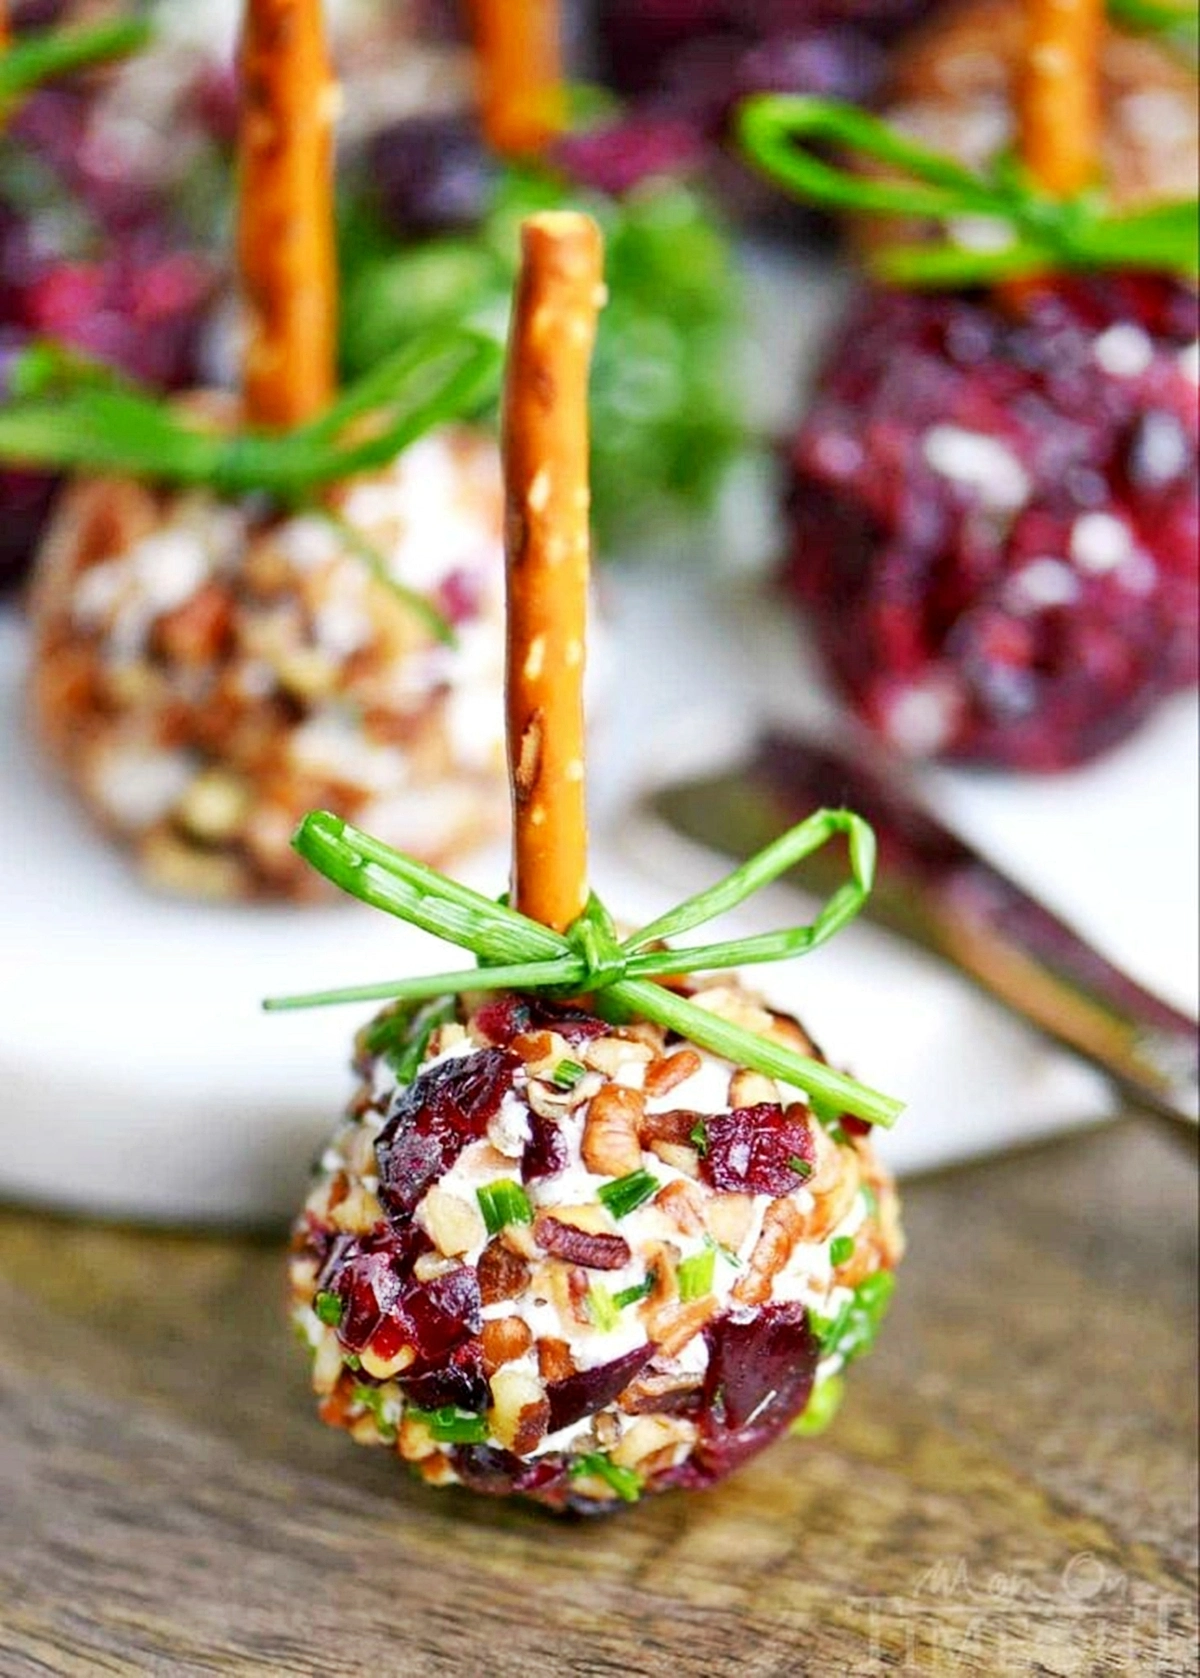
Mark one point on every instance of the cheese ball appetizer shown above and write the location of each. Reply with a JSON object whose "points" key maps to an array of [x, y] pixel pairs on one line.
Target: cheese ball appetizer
{"points": [[204, 673], [994, 517], [582, 1250], [955, 86], [579, 1262], [110, 267], [994, 494]]}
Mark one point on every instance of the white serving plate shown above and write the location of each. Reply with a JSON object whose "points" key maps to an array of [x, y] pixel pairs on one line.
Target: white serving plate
{"points": [[139, 1077]]}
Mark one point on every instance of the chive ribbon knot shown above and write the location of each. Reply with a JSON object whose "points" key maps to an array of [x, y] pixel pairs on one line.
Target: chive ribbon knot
{"points": [[1026, 231], [621, 976], [48, 54]]}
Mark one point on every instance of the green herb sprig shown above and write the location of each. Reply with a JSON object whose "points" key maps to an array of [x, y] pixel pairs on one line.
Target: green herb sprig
{"points": [[69, 413], [49, 54], [516, 953], [1044, 234]]}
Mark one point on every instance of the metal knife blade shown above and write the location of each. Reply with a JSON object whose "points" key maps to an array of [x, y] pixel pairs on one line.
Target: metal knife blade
{"points": [[934, 889]]}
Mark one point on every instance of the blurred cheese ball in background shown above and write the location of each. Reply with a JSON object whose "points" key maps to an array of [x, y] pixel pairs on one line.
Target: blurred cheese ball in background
{"points": [[205, 674]]}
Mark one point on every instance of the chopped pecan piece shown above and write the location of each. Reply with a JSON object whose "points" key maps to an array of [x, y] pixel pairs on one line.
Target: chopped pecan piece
{"points": [[683, 1203], [672, 1326], [580, 1246], [195, 632], [663, 1075], [504, 1340], [555, 1362], [782, 1228], [675, 1125], [661, 1394], [520, 1411], [502, 1274], [610, 1134]]}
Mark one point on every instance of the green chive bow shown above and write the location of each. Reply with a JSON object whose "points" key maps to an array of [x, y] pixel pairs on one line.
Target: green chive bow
{"points": [[516, 953], [72, 413], [1036, 232], [50, 53], [1177, 24]]}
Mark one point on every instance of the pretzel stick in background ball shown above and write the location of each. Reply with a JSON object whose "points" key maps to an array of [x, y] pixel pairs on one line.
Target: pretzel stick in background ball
{"points": [[518, 45], [1059, 94], [285, 233], [545, 445]]}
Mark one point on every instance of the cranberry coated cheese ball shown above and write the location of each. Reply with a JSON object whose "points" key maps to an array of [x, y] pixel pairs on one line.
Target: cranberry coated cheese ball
{"points": [[205, 674], [994, 517], [548, 1256]]}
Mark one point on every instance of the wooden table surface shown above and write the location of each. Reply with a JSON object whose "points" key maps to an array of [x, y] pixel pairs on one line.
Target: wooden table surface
{"points": [[1010, 1488]]}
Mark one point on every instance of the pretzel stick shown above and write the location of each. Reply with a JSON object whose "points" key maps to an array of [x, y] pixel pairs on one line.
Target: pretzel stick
{"points": [[545, 443], [285, 212], [519, 48], [1059, 93]]}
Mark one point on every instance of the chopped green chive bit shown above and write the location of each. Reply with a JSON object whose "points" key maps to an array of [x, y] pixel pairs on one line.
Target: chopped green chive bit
{"points": [[373, 1399], [503, 1203], [635, 1294], [328, 1307], [626, 1194], [853, 1330], [821, 1408], [695, 1274], [602, 1308], [568, 1073], [841, 1249], [452, 1427], [624, 1481]]}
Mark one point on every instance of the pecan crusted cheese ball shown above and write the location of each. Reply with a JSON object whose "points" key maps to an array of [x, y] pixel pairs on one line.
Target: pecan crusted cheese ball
{"points": [[206, 673], [580, 1262], [954, 87]]}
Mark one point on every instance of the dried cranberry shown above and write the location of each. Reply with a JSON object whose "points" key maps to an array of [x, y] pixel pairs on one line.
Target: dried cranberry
{"points": [[369, 1274], [759, 1377], [459, 1380], [497, 1473], [504, 1017], [755, 1150], [619, 156], [996, 527], [431, 174], [545, 1154], [589, 1390], [443, 1312], [434, 1119]]}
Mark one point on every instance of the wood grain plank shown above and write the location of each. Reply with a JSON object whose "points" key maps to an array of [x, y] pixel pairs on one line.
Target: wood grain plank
{"points": [[1011, 1487]]}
